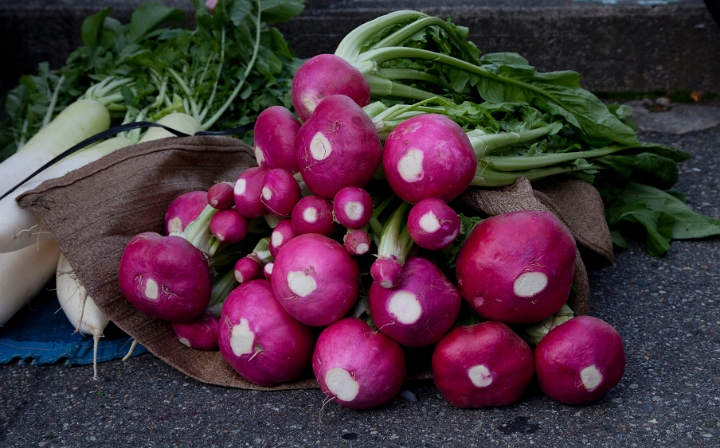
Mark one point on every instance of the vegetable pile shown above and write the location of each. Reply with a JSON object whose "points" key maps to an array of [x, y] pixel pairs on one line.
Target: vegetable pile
{"points": [[343, 250]]}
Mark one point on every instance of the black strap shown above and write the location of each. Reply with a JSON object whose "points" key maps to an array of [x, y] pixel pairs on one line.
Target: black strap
{"points": [[118, 129]]}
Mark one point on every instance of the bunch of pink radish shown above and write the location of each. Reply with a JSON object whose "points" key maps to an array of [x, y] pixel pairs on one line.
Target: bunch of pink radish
{"points": [[344, 279]]}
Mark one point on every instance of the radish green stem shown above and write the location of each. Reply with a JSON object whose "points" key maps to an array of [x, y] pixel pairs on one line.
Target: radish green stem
{"points": [[485, 143], [395, 239], [53, 101], [515, 163]]}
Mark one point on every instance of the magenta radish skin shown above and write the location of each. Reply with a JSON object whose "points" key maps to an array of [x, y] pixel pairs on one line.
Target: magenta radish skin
{"points": [[357, 366], [580, 360], [433, 224], [221, 196], [313, 214], [428, 156], [281, 234], [248, 190], [322, 76], [274, 138], [517, 267], [246, 269], [337, 147], [200, 333], [482, 365], [387, 272], [420, 309], [259, 339], [268, 270], [315, 279], [229, 226], [165, 277], [357, 242], [280, 192], [352, 207], [184, 210]]}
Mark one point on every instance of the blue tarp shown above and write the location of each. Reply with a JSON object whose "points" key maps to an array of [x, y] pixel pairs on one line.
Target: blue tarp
{"points": [[41, 334]]}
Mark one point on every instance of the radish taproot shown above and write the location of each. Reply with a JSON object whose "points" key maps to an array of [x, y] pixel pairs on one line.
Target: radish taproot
{"points": [[322, 76], [420, 309], [337, 147], [259, 339], [517, 267], [274, 138], [315, 279], [313, 214], [433, 224], [200, 333], [281, 234], [428, 156], [482, 365], [248, 191], [280, 192], [356, 366], [580, 360], [229, 226], [221, 195], [352, 207], [357, 241]]}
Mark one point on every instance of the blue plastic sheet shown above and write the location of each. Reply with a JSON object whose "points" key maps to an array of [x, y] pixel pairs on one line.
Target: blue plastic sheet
{"points": [[41, 334]]}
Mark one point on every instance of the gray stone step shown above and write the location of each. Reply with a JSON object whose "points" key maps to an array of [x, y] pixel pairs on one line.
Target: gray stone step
{"points": [[616, 45]]}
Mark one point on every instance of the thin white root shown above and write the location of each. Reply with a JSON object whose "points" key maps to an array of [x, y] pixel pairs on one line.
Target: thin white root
{"points": [[96, 342], [132, 349]]}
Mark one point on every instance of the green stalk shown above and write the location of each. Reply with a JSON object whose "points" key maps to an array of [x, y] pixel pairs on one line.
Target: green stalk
{"points": [[198, 232], [485, 143], [488, 177], [351, 45], [53, 101], [395, 238], [515, 163]]}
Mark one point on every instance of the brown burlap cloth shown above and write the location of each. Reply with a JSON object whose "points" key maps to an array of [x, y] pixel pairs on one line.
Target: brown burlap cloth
{"points": [[93, 213]]}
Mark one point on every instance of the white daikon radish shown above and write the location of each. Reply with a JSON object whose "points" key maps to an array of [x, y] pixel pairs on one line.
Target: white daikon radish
{"points": [[79, 307], [23, 274]]}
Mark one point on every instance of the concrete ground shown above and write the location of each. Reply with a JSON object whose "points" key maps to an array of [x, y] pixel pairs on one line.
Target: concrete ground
{"points": [[667, 310]]}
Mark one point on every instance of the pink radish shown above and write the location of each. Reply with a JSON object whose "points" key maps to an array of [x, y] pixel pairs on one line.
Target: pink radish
{"points": [[357, 242], [259, 339], [432, 224], [352, 207], [183, 210], [250, 266], [165, 277], [356, 366], [313, 214], [248, 189], [315, 279], [268, 270], [281, 234], [421, 309], [337, 147], [221, 195], [200, 333], [280, 192], [579, 360], [394, 246], [428, 156], [229, 226], [518, 267], [324, 75], [274, 138], [482, 365]]}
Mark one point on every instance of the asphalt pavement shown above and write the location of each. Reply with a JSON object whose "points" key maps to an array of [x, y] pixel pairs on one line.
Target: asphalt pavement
{"points": [[667, 310]]}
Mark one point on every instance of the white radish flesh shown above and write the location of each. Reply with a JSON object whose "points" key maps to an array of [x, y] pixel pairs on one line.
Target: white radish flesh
{"points": [[23, 274], [80, 120], [79, 307], [176, 120]]}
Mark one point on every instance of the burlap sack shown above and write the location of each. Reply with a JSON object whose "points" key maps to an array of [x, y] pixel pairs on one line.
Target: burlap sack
{"points": [[93, 213]]}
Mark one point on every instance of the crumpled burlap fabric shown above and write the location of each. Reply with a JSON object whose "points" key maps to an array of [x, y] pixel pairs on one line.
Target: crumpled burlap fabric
{"points": [[93, 212]]}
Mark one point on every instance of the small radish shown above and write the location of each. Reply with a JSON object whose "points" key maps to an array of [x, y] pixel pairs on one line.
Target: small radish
{"points": [[517, 267], [200, 333], [221, 195], [248, 190], [280, 192], [428, 156], [229, 226], [268, 270], [274, 138], [165, 277], [356, 366], [394, 246], [579, 360], [315, 279], [261, 341], [281, 234], [324, 75], [352, 207], [419, 310], [183, 210], [313, 214], [482, 365], [250, 266], [337, 147], [432, 224], [357, 241]]}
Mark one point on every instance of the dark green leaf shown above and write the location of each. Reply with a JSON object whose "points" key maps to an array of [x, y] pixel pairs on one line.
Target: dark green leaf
{"points": [[149, 16], [92, 27]]}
